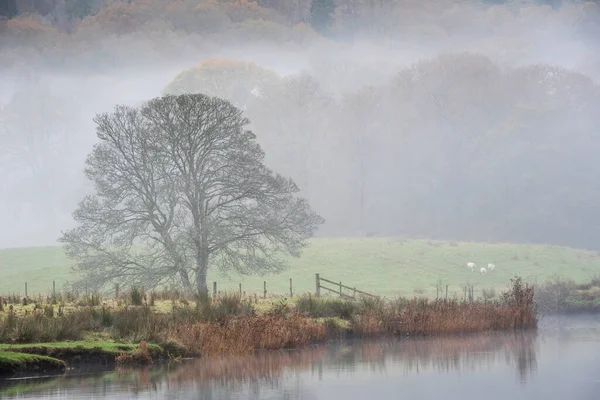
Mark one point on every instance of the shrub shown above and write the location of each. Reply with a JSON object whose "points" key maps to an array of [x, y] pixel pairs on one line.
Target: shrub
{"points": [[136, 296], [488, 294], [49, 311], [343, 309], [326, 307], [281, 307], [555, 294], [139, 323], [368, 304], [140, 356], [91, 300]]}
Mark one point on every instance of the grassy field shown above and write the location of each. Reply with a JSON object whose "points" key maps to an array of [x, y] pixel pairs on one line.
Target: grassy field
{"points": [[385, 266]]}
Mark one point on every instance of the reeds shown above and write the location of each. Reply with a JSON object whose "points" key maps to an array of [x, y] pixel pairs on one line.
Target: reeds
{"points": [[242, 335], [230, 325], [514, 311]]}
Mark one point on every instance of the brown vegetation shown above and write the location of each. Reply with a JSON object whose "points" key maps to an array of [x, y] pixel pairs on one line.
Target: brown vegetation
{"points": [[421, 317], [229, 325], [140, 356], [243, 335]]}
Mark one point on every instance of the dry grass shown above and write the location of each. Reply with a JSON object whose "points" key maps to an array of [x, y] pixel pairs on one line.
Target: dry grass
{"points": [[230, 325], [244, 335], [140, 356], [427, 318], [514, 311]]}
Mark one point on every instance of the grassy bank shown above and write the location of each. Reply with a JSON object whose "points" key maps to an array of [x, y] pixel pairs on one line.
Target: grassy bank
{"points": [[104, 352], [13, 362], [232, 325], [27, 358], [386, 266]]}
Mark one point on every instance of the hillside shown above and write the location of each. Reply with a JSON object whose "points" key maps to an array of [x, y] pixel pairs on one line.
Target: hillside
{"points": [[379, 265]]}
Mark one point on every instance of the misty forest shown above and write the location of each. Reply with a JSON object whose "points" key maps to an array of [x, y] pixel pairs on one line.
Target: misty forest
{"points": [[442, 119]]}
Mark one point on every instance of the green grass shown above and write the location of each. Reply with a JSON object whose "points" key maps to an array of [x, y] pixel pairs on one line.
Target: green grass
{"points": [[107, 346], [385, 266], [11, 362]]}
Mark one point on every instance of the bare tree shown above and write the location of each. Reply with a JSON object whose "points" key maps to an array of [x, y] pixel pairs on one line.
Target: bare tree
{"points": [[181, 187]]}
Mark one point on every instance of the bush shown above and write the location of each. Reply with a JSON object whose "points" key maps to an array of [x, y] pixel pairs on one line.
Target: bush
{"points": [[488, 294], [368, 304], [139, 323], [326, 307], [136, 296], [228, 305], [92, 300], [554, 295]]}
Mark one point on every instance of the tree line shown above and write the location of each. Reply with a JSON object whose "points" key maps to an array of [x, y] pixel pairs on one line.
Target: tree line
{"points": [[452, 147]]}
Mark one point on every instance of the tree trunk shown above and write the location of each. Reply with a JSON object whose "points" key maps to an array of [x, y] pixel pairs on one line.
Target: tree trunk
{"points": [[185, 280], [201, 281], [201, 265]]}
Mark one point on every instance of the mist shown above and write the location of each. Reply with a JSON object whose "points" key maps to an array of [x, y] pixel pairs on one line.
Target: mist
{"points": [[457, 122]]}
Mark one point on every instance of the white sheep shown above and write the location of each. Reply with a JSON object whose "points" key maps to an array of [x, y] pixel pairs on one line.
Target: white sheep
{"points": [[483, 271], [491, 267], [471, 265]]}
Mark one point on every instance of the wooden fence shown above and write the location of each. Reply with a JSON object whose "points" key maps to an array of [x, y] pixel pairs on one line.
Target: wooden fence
{"points": [[467, 292], [339, 288]]}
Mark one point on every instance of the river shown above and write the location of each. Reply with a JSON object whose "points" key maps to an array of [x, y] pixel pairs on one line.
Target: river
{"points": [[559, 361]]}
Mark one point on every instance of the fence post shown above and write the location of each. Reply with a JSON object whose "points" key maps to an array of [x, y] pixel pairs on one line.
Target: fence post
{"points": [[340, 288], [54, 289], [116, 291], [264, 289], [354, 294], [214, 289], [318, 285], [446, 292], [291, 288], [25, 289], [240, 290]]}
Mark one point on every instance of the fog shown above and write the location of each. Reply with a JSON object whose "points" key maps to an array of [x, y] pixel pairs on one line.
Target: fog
{"points": [[470, 123]]}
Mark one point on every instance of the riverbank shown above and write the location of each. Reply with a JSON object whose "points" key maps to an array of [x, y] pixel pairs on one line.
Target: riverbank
{"points": [[56, 356], [12, 363], [229, 325]]}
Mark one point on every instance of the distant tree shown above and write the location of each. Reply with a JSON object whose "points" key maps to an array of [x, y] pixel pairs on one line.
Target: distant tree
{"points": [[8, 8], [181, 187], [237, 81], [36, 133], [293, 122], [321, 15], [78, 8]]}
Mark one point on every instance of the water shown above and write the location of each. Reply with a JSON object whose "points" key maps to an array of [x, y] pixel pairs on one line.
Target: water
{"points": [[560, 361]]}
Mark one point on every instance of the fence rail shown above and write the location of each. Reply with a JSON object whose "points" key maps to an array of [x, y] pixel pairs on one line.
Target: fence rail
{"points": [[340, 288], [467, 292]]}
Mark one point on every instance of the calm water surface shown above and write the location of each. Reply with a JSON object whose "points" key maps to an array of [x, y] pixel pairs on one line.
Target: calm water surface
{"points": [[560, 361]]}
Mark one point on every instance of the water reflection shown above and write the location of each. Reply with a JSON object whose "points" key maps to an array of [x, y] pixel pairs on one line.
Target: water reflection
{"points": [[292, 374]]}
